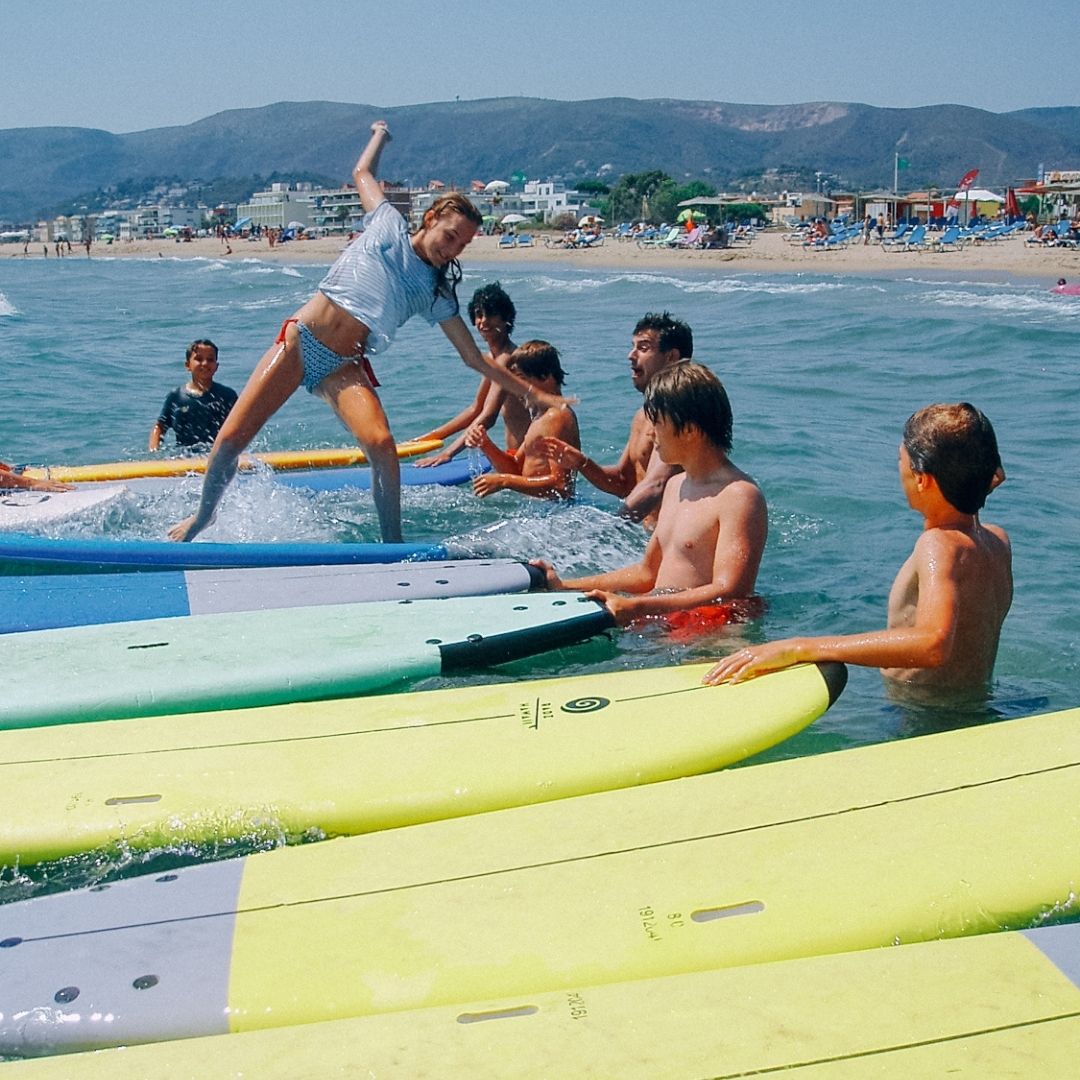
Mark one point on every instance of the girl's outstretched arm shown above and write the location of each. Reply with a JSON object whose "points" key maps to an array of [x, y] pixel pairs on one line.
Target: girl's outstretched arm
{"points": [[367, 186], [458, 333]]}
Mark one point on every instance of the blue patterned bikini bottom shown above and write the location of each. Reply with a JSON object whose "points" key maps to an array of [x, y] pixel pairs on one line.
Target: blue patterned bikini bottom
{"points": [[319, 360]]}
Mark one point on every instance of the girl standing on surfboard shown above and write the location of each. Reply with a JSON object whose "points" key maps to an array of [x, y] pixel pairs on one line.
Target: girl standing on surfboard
{"points": [[379, 281]]}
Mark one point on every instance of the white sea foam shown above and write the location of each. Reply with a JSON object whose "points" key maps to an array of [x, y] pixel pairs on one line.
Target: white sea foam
{"points": [[7, 307], [1012, 302], [248, 305], [768, 287]]}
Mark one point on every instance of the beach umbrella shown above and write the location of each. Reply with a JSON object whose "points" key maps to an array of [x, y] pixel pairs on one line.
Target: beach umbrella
{"points": [[689, 214], [590, 219], [496, 185], [296, 225], [513, 219], [977, 195]]}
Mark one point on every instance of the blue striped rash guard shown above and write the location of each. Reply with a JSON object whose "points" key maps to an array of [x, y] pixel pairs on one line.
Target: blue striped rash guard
{"points": [[381, 281]]}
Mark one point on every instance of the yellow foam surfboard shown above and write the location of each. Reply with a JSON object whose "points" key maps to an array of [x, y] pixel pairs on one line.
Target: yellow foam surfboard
{"points": [[357, 765], [187, 466], [975, 1008], [942, 836]]}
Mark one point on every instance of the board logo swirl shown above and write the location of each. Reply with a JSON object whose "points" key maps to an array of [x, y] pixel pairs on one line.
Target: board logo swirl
{"points": [[586, 704]]}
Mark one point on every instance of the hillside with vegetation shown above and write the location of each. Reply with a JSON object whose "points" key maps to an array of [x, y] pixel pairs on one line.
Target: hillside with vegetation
{"points": [[732, 147]]}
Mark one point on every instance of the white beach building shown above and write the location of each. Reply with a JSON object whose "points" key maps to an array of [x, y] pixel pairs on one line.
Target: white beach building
{"points": [[547, 200], [280, 205]]}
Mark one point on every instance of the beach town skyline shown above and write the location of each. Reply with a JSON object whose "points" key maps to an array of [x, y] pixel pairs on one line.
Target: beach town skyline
{"points": [[120, 66]]}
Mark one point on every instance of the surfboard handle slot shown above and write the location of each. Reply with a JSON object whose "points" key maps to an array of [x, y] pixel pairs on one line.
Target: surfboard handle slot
{"points": [[751, 907], [150, 645], [498, 1014], [131, 800]]}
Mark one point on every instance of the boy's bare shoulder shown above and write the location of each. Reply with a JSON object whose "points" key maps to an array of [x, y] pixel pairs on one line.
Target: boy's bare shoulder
{"points": [[990, 541], [734, 484], [1000, 535], [558, 416]]}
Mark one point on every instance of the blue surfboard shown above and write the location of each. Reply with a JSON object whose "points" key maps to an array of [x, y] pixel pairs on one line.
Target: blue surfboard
{"points": [[48, 601], [21, 554], [457, 471]]}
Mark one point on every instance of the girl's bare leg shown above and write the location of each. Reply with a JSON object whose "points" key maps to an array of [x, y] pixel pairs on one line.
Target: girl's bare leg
{"points": [[272, 383], [357, 404]]}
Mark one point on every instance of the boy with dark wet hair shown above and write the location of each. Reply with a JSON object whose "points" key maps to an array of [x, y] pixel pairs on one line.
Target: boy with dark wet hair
{"points": [[196, 410], [713, 522], [638, 477], [531, 470], [951, 596], [492, 312], [671, 333]]}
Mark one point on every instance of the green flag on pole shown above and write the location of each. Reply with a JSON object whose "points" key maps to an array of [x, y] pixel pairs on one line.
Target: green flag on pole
{"points": [[901, 162]]}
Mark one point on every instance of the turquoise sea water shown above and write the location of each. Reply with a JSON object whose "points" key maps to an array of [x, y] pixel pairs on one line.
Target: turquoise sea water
{"points": [[822, 372]]}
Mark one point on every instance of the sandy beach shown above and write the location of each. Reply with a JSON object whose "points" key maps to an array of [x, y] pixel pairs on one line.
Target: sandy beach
{"points": [[1006, 260]]}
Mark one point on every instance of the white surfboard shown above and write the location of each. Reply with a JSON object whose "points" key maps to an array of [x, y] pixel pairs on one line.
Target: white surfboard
{"points": [[21, 509]]}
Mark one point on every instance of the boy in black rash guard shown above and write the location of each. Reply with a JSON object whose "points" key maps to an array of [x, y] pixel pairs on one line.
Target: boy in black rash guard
{"points": [[196, 410]]}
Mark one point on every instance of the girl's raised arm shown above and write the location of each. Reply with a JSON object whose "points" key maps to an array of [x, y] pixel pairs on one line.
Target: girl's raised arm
{"points": [[371, 194]]}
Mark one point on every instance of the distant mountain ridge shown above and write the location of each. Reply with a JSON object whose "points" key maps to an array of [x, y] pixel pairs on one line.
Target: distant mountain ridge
{"points": [[457, 141]]}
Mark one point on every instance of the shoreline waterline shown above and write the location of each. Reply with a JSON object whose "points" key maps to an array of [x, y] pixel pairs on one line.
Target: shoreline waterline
{"points": [[1004, 260]]}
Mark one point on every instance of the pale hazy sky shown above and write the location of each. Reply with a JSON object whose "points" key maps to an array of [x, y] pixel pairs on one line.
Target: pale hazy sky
{"points": [[126, 65]]}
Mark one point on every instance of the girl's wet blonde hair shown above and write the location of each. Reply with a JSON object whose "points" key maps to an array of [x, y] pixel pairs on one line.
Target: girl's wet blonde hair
{"points": [[449, 275]]}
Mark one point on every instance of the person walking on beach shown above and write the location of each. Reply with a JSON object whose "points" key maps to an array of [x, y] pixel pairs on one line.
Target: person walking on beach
{"points": [[951, 596], [640, 474], [196, 410], [713, 522], [379, 281]]}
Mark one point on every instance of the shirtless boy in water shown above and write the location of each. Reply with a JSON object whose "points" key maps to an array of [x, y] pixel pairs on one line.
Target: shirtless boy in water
{"points": [[713, 522], [530, 470], [639, 476], [492, 312], [951, 596]]}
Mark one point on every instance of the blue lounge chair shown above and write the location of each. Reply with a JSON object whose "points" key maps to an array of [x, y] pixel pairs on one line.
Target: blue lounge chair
{"points": [[507, 241], [913, 241], [950, 240], [525, 240], [898, 236]]}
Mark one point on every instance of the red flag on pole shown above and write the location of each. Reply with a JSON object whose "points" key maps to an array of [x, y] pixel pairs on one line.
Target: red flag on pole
{"points": [[968, 180], [965, 183]]}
